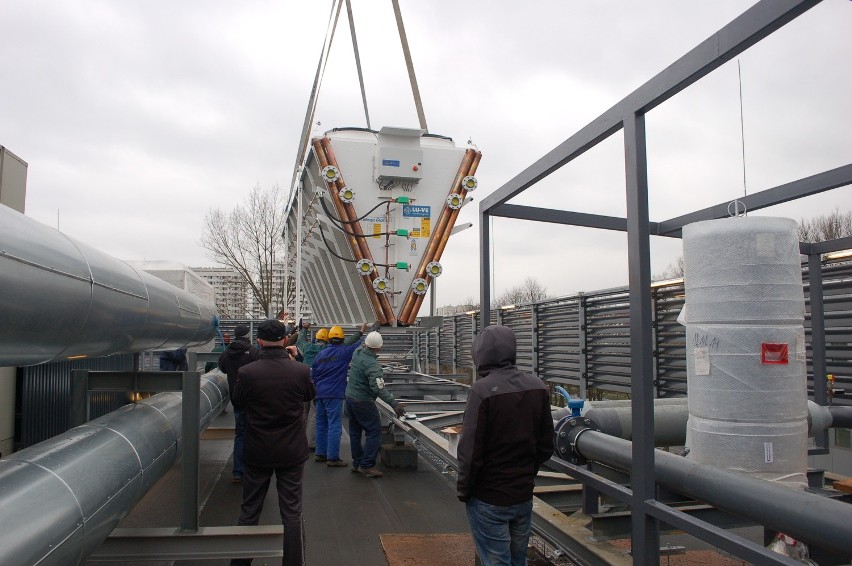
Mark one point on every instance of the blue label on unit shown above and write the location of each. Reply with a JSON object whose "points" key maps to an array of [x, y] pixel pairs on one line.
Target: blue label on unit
{"points": [[412, 210], [390, 163]]}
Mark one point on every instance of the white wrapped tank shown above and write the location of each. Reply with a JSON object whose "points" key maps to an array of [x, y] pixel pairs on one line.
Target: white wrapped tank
{"points": [[375, 214], [745, 343]]}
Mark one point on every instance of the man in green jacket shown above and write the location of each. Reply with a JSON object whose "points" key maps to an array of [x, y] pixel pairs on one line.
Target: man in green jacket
{"points": [[365, 384], [311, 349]]}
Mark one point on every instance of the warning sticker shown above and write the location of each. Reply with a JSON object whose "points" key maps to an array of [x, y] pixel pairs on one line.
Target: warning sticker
{"points": [[377, 230], [701, 356], [800, 348], [425, 227], [415, 233], [773, 353]]}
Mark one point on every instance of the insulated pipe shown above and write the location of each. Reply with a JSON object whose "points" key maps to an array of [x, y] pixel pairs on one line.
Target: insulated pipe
{"points": [[63, 299], [821, 418], [350, 216], [841, 417], [669, 423], [354, 245], [671, 415], [61, 498], [440, 235], [816, 520]]}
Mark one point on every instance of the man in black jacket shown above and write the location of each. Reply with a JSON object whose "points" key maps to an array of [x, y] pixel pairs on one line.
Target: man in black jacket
{"points": [[238, 353], [507, 434], [273, 391]]}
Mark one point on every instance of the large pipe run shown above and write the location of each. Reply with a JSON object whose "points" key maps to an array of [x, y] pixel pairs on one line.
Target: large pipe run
{"points": [[63, 299], [60, 499], [814, 519], [670, 417]]}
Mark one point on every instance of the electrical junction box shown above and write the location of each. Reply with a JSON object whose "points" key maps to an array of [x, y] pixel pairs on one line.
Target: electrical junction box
{"points": [[398, 155]]}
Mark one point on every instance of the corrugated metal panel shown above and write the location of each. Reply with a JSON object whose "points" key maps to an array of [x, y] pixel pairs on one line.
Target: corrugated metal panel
{"points": [[837, 306], [46, 390], [670, 340], [559, 341], [591, 333]]}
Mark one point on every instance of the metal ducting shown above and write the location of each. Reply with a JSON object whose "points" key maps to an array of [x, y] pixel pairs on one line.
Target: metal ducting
{"points": [[63, 299], [61, 498]]}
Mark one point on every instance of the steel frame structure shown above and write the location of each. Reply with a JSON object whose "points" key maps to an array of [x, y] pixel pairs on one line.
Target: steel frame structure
{"points": [[628, 115]]}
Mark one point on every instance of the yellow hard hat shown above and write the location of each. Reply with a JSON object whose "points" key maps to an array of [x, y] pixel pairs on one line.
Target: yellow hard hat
{"points": [[322, 334], [335, 332]]}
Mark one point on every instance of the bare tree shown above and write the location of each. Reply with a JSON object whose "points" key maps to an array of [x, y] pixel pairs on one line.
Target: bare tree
{"points": [[673, 271], [248, 239], [530, 291], [826, 227]]}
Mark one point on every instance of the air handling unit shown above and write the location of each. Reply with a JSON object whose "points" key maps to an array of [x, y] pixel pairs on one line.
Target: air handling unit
{"points": [[371, 219]]}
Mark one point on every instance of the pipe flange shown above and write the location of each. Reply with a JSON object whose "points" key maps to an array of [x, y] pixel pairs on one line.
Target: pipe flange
{"points": [[565, 435]]}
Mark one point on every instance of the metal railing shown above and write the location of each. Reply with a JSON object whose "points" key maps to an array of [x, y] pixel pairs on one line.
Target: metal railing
{"points": [[582, 342]]}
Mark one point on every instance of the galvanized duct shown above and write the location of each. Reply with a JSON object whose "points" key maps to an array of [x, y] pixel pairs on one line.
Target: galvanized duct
{"points": [[62, 299], [61, 498]]}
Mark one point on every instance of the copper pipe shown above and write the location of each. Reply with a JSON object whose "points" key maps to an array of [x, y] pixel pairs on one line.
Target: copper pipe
{"points": [[437, 232], [440, 235], [443, 242], [352, 240], [386, 310]]}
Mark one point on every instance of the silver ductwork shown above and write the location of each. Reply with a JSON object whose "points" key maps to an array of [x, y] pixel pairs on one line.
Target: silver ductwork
{"points": [[61, 498], [63, 299]]}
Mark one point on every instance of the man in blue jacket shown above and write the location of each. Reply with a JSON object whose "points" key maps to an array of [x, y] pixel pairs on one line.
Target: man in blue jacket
{"points": [[329, 374]]}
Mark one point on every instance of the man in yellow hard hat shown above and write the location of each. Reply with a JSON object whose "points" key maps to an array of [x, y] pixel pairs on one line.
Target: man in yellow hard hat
{"points": [[328, 371], [309, 351]]}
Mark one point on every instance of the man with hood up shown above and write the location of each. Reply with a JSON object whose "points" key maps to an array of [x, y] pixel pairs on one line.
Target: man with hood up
{"points": [[238, 353], [507, 434]]}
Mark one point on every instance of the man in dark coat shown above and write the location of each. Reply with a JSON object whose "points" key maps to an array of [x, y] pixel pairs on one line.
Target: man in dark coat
{"points": [[238, 353], [507, 434], [273, 391], [174, 360]]}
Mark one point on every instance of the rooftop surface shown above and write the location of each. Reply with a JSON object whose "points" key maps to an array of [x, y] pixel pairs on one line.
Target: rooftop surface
{"points": [[345, 514]]}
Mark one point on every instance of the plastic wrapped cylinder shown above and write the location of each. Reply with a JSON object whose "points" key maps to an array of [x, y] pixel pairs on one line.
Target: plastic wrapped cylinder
{"points": [[722, 387], [746, 347], [743, 270]]}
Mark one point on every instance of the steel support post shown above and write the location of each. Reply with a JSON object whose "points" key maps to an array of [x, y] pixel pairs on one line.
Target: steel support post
{"points": [[655, 347], [536, 339], [455, 345], [79, 409], [484, 270], [645, 537], [191, 396], [818, 344], [582, 334]]}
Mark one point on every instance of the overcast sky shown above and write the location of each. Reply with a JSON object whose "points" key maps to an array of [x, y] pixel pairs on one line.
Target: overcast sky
{"points": [[136, 118]]}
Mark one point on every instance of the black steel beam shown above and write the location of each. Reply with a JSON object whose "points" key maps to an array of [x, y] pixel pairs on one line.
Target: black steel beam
{"points": [[563, 217], [808, 186], [749, 28]]}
